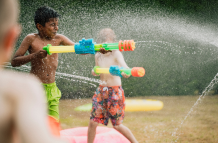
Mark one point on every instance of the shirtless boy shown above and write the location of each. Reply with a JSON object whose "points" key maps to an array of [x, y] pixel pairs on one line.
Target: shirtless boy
{"points": [[43, 65], [22, 102], [109, 93]]}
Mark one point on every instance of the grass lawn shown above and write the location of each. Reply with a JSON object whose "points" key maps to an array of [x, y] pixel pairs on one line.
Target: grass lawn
{"points": [[158, 126]]}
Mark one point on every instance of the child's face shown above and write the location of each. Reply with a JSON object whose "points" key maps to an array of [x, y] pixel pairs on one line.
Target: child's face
{"points": [[51, 28]]}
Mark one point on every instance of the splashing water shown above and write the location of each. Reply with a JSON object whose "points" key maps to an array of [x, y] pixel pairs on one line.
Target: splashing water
{"points": [[204, 93], [177, 49], [61, 75]]}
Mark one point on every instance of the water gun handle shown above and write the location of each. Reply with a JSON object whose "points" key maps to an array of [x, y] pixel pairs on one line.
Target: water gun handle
{"points": [[115, 70], [85, 46]]}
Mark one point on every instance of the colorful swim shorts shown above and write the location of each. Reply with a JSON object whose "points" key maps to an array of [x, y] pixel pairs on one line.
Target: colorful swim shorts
{"points": [[108, 102], [53, 95]]}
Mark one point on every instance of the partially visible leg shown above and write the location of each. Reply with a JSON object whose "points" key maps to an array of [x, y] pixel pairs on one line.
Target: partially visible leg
{"points": [[54, 125], [97, 115], [117, 108], [53, 95], [126, 132], [91, 131]]}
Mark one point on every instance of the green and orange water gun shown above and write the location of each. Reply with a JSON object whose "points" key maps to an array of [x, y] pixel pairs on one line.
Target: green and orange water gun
{"points": [[116, 71], [87, 46]]}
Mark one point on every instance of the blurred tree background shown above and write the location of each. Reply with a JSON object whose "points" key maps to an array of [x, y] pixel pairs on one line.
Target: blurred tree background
{"points": [[175, 43]]}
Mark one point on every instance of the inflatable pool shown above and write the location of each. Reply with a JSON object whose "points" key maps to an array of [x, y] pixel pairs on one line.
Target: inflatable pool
{"points": [[103, 135], [132, 105], [143, 105]]}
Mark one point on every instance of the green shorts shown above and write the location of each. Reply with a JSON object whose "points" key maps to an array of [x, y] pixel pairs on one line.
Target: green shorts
{"points": [[53, 95]]}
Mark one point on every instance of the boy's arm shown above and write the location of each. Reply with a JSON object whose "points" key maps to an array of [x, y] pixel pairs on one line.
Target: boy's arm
{"points": [[30, 114], [121, 62], [96, 64], [65, 41], [19, 58]]}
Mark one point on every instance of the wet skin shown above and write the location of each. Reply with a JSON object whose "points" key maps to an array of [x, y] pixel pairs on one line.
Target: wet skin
{"points": [[43, 65]]}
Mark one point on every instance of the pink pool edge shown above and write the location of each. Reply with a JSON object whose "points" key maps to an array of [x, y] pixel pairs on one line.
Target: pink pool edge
{"points": [[103, 135]]}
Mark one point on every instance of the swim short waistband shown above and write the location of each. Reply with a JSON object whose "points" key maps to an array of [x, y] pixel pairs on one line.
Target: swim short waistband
{"points": [[49, 84], [117, 86]]}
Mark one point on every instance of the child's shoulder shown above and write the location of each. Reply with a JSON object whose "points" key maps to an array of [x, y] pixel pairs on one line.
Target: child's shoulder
{"points": [[116, 53], [17, 77], [59, 36], [31, 37], [14, 83], [97, 54]]}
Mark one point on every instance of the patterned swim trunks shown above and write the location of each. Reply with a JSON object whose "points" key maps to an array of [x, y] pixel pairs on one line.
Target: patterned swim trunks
{"points": [[108, 102]]}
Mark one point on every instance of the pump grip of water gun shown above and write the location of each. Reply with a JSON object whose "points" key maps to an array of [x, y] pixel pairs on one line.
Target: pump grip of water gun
{"points": [[87, 46], [116, 70]]}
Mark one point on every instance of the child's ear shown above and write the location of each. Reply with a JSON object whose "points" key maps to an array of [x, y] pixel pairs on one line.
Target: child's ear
{"points": [[39, 26], [11, 37]]}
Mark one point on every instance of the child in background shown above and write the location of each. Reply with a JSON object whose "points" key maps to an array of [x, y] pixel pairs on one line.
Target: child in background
{"points": [[23, 112], [108, 101]]}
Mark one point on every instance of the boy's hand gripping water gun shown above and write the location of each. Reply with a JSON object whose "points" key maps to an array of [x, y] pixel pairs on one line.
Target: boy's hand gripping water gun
{"points": [[89, 47], [116, 71]]}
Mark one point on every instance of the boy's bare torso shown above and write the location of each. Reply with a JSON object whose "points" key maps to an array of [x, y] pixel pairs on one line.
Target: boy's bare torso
{"points": [[105, 61], [44, 68], [43, 65]]}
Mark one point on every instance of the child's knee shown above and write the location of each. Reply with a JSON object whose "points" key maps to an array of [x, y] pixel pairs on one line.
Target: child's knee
{"points": [[92, 124], [117, 127]]}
